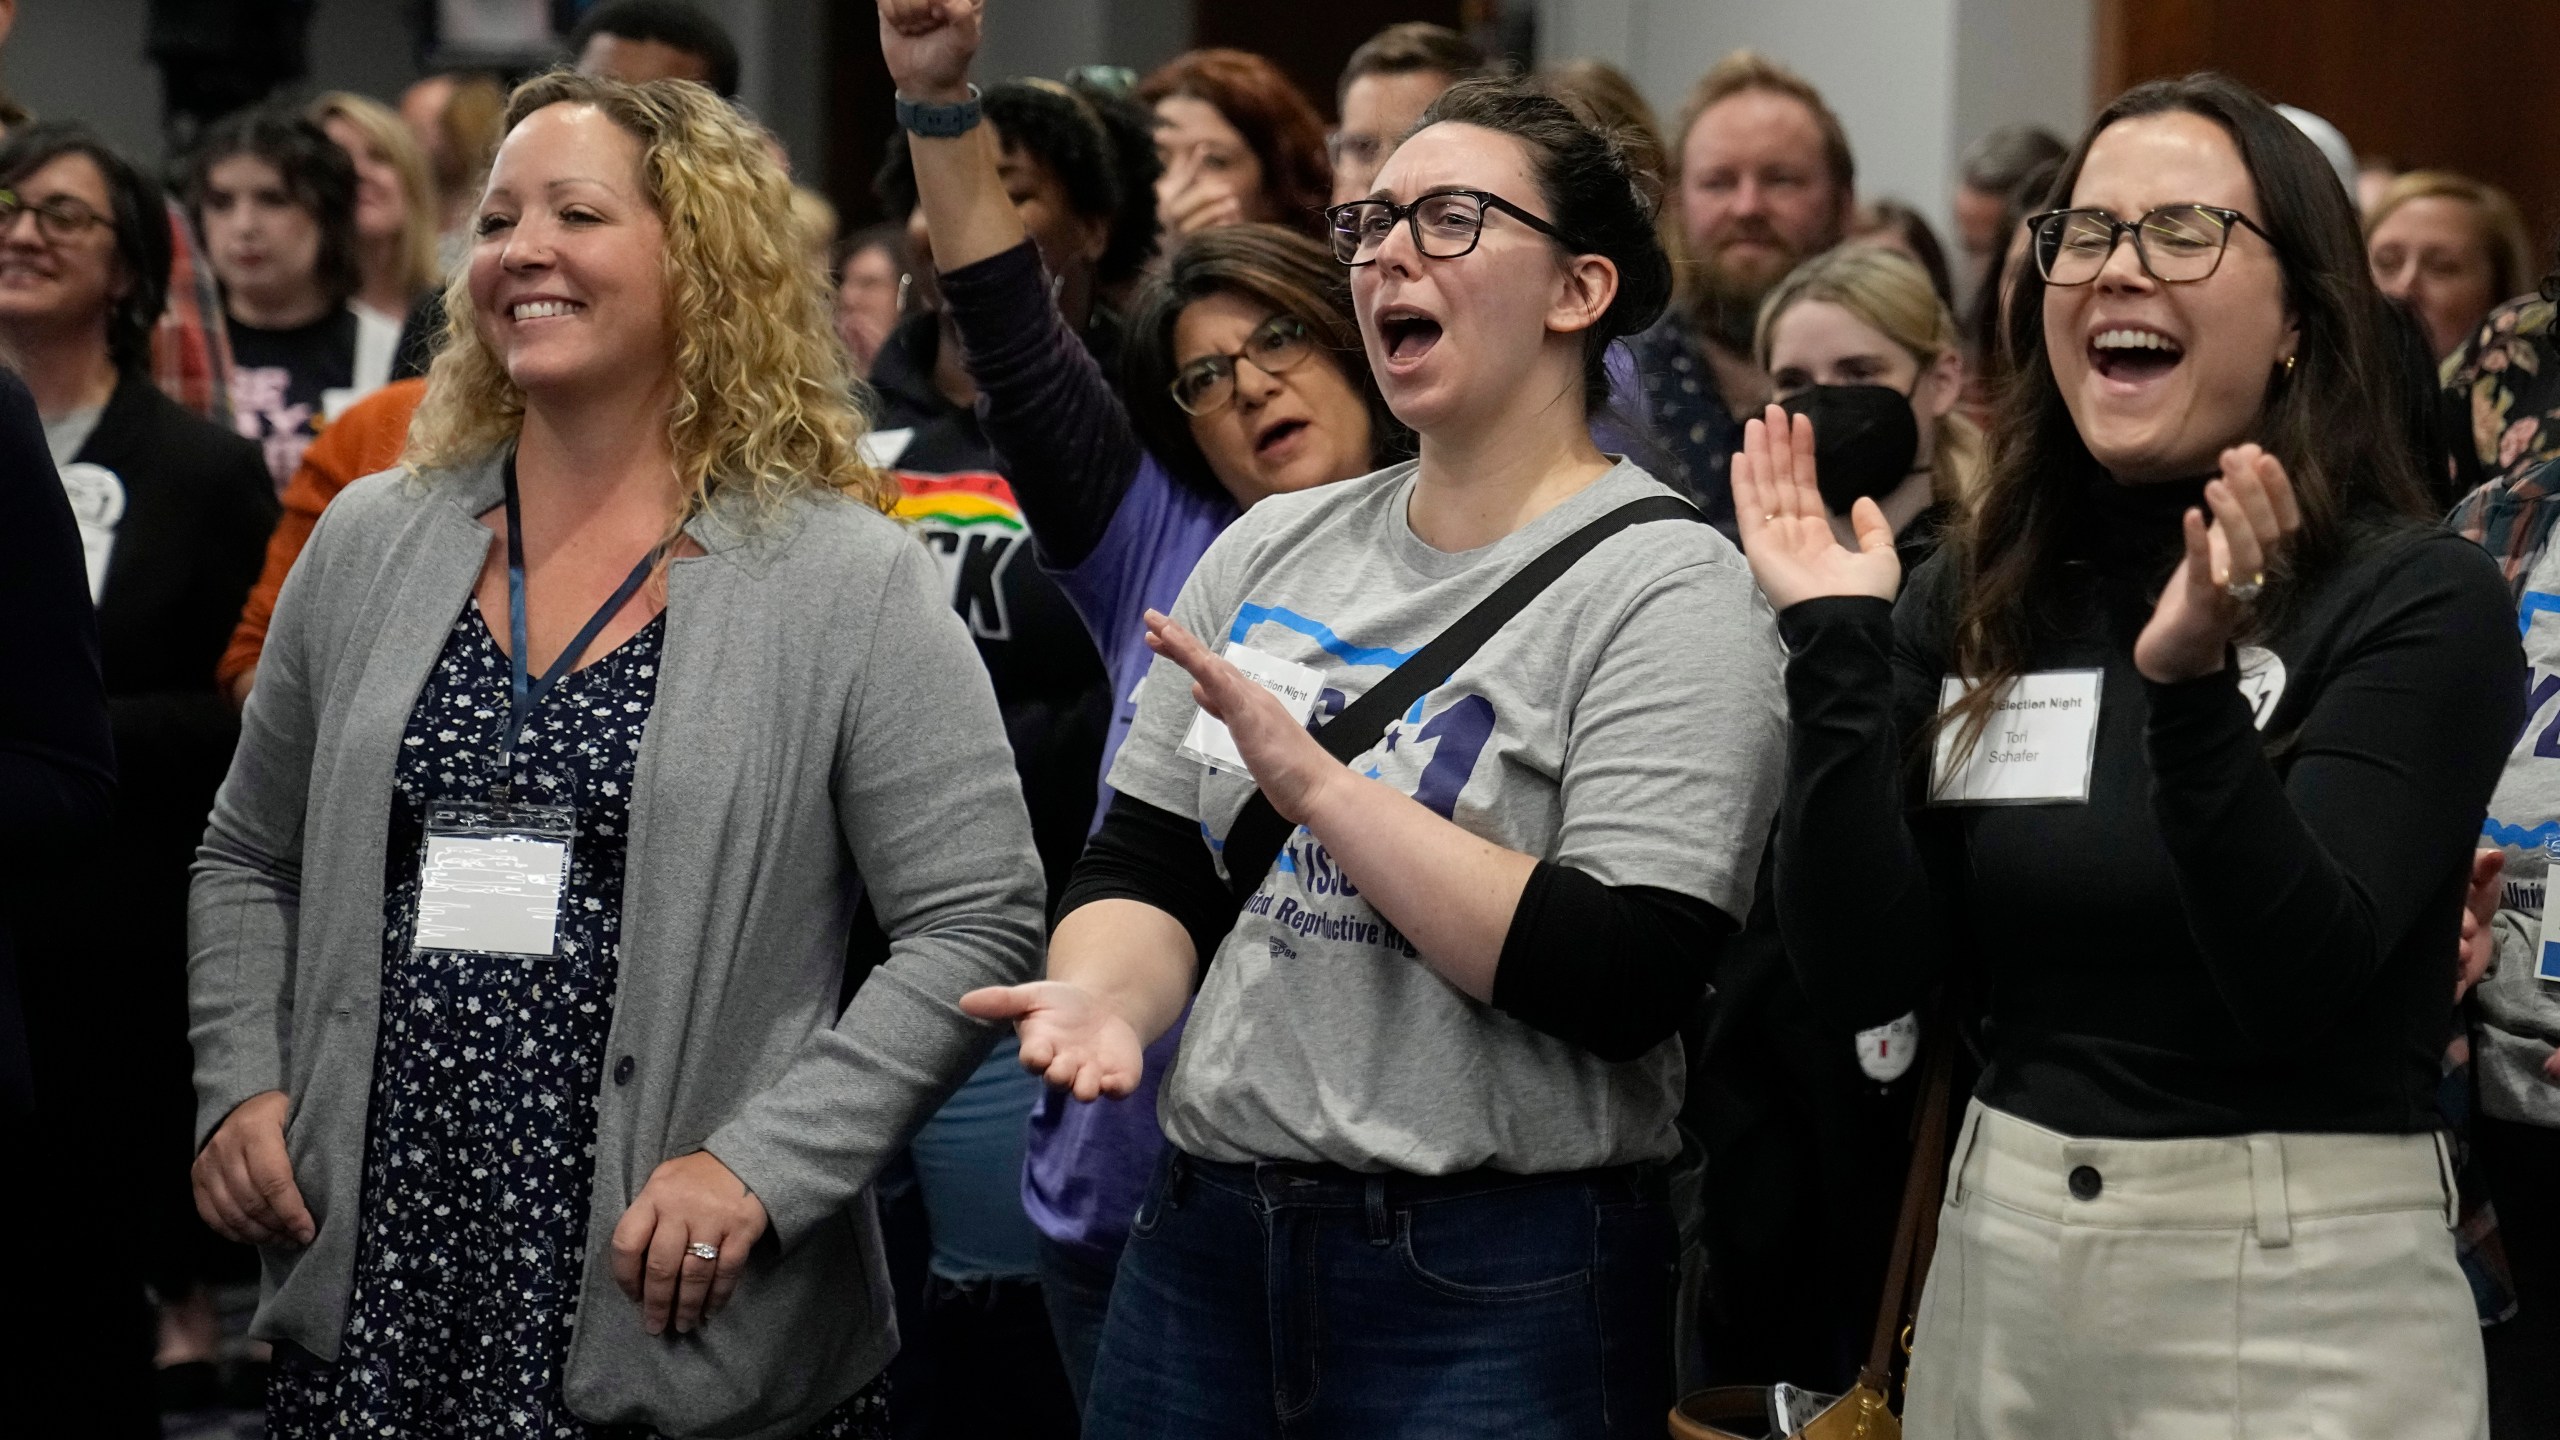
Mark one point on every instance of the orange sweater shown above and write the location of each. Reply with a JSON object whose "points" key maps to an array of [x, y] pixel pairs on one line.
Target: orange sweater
{"points": [[366, 438]]}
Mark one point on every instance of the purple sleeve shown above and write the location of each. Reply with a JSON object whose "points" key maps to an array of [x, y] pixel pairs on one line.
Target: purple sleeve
{"points": [[1138, 562], [1160, 530], [1046, 404]]}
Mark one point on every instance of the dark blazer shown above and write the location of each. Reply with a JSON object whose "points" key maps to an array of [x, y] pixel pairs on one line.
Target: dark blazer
{"points": [[198, 506], [57, 768]]}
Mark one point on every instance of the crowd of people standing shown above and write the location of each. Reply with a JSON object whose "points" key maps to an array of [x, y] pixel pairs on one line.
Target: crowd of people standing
{"points": [[1241, 777]]}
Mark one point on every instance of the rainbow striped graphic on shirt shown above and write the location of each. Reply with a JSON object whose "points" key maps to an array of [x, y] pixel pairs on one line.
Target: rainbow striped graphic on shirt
{"points": [[970, 500], [973, 525]]}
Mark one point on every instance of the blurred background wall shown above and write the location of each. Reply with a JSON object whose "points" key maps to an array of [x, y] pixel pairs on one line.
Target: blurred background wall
{"points": [[2439, 83]]}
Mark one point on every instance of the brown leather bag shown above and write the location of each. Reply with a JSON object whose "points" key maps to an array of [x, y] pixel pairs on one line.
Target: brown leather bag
{"points": [[1741, 1412]]}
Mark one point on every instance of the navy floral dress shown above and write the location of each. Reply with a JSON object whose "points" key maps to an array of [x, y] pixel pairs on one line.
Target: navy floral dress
{"points": [[480, 1139]]}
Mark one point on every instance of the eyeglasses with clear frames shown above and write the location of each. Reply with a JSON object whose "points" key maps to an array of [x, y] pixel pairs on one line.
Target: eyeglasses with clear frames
{"points": [[1445, 224], [2176, 244], [58, 219], [1276, 346]]}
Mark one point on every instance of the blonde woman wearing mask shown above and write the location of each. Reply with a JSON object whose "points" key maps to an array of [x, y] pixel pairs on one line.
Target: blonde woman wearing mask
{"points": [[510, 1144], [1858, 340]]}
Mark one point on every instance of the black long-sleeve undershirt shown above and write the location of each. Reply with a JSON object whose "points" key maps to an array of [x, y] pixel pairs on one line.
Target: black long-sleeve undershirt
{"points": [[1044, 401], [1614, 969], [2239, 931]]}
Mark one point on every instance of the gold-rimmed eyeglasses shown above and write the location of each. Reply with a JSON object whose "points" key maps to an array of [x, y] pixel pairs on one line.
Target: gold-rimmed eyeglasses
{"points": [[2176, 244]]}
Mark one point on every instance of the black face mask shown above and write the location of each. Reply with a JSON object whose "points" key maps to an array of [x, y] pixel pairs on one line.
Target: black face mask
{"points": [[1864, 440]]}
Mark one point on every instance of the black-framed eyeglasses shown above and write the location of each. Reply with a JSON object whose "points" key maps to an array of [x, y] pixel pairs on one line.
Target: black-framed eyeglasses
{"points": [[60, 218], [2176, 244], [1445, 224], [1208, 385]]}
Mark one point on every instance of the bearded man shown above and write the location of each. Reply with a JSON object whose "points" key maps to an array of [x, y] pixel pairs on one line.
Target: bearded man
{"points": [[1763, 181]]}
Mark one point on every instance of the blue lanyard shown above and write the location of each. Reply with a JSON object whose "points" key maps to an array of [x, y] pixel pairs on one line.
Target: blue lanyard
{"points": [[527, 694]]}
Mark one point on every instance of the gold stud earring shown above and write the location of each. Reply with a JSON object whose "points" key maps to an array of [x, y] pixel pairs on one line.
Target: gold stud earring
{"points": [[2288, 365]]}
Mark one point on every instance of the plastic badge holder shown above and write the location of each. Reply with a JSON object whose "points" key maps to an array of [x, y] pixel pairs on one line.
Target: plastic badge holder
{"points": [[492, 875]]}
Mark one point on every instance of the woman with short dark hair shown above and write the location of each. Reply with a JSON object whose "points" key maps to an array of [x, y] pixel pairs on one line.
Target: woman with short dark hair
{"points": [[1123, 486], [2175, 756], [274, 199]]}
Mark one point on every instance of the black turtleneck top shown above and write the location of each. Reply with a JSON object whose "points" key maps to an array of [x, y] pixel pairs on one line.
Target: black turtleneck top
{"points": [[2243, 928]]}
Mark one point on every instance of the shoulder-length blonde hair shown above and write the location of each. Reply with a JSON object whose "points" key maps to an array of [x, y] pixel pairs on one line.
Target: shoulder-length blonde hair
{"points": [[2498, 225], [1890, 293], [386, 132], [765, 405]]}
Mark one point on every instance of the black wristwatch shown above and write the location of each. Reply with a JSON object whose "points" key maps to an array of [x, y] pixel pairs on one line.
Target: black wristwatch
{"points": [[940, 122]]}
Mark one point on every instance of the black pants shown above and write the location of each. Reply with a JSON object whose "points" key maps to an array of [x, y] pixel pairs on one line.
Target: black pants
{"points": [[2522, 1163]]}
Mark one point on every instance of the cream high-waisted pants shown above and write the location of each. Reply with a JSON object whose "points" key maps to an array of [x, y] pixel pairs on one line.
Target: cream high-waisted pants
{"points": [[2238, 1288]]}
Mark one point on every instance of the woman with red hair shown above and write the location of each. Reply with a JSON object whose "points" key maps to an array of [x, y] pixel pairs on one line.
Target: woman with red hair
{"points": [[1240, 144]]}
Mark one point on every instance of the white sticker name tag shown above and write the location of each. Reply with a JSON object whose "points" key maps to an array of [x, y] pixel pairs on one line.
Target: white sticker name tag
{"points": [[1297, 686], [2546, 940], [2036, 750], [498, 895]]}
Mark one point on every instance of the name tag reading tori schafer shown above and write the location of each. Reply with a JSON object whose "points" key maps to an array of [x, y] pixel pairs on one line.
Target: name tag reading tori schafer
{"points": [[490, 880], [2036, 750]]}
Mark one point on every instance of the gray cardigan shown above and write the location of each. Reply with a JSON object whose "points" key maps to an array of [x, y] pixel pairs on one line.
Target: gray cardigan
{"points": [[820, 716]]}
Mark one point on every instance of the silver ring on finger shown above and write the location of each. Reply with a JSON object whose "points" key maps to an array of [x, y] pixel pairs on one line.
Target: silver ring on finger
{"points": [[700, 1251], [2244, 591]]}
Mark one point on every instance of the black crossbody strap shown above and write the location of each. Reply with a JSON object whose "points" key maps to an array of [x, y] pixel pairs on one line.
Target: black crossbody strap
{"points": [[1254, 841]]}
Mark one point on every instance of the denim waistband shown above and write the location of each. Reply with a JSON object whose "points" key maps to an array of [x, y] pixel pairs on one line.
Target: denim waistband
{"points": [[1296, 1182]]}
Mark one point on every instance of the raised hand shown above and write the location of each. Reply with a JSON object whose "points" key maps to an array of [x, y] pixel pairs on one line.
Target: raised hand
{"points": [[2479, 910], [1190, 200], [929, 44], [690, 1200], [1070, 1037], [1786, 529], [1286, 762], [2197, 617], [244, 1179]]}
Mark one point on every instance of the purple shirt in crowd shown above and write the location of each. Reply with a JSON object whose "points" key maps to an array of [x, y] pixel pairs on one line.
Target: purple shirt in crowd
{"points": [[1120, 534], [1089, 1162]]}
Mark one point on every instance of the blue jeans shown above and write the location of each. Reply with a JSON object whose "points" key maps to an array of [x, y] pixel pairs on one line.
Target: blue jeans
{"points": [[1076, 1286], [968, 1162], [1304, 1302]]}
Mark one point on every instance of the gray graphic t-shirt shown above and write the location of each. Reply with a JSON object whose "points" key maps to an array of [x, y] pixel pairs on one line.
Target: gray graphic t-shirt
{"points": [[1629, 723], [2520, 1001]]}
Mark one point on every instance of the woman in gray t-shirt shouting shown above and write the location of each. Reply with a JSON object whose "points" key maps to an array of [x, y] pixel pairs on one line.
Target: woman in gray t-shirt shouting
{"points": [[1420, 1111]]}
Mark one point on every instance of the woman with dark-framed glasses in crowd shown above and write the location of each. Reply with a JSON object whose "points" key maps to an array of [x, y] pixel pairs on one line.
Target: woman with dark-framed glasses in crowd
{"points": [[1238, 380], [1420, 1112], [2174, 755]]}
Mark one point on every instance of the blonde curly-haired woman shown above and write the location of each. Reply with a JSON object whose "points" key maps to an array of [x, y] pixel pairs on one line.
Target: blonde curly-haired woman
{"points": [[518, 934]]}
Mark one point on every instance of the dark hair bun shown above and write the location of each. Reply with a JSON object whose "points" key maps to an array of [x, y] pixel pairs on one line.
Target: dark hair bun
{"points": [[1602, 201]]}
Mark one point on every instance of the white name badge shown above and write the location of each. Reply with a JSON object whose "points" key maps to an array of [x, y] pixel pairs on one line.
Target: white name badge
{"points": [[2036, 750], [491, 877], [1297, 686], [2546, 944]]}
